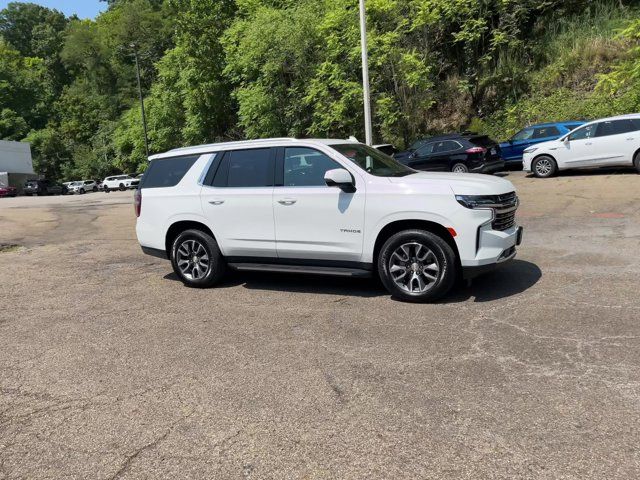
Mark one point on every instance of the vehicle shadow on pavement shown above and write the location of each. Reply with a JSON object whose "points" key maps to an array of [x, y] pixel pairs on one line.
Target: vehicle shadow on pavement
{"points": [[298, 283], [510, 280]]}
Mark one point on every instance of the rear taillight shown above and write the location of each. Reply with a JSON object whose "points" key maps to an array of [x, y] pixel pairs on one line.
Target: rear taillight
{"points": [[137, 201], [476, 150]]}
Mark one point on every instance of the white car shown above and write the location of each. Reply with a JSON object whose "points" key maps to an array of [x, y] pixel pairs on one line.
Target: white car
{"points": [[609, 142], [330, 207], [120, 182], [83, 186]]}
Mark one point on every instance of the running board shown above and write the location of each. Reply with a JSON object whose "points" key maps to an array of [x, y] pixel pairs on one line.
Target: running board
{"points": [[333, 271]]}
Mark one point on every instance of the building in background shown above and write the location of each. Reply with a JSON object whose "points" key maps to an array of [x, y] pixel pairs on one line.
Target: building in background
{"points": [[16, 165]]}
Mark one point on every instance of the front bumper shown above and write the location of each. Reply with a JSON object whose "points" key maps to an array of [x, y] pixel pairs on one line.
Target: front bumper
{"points": [[527, 158], [495, 249]]}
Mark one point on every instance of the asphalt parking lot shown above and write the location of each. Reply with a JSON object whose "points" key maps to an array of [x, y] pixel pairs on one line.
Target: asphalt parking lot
{"points": [[111, 369]]}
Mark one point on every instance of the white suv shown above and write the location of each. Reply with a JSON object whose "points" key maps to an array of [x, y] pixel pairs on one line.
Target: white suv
{"points": [[120, 182], [609, 142], [330, 207]]}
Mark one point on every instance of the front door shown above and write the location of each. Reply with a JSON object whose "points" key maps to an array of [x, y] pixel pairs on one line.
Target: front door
{"points": [[237, 200], [314, 221]]}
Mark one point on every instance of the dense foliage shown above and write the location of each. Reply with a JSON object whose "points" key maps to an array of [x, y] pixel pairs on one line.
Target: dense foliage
{"points": [[225, 69]]}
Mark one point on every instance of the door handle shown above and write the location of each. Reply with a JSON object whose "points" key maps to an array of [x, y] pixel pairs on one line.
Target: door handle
{"points": [[630, 138], [287, 201], [216, 202], [588, 143]]}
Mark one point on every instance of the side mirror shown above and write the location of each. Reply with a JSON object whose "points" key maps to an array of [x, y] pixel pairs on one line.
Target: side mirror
{"points": [[566, 139], [340, 178]]}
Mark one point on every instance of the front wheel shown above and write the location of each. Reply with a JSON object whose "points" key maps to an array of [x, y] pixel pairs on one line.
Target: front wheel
{"points": [[544, 166], [460, 168], [636, 161], [197, 260], [417, 266]]}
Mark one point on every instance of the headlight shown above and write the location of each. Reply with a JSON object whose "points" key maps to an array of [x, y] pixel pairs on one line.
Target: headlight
{"points": [[477, 201], [530, 149]]}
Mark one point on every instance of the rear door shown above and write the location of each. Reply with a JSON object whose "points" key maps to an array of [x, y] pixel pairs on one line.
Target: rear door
{"points": [[314, 221], [446, 154], [422, 158], [615, 142], [237, 200]]}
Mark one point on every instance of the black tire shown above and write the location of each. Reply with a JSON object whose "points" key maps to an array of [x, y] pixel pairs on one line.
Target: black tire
{"points": [[442, 255], [95, 189], [636, 161], [122, 187], [106, 190], [544, 166], [217, 265], [82, 192], [460, 168]]}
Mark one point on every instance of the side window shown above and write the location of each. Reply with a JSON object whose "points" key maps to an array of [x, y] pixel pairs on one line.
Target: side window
{"points": [[584, 132], [425, 149], [305, 167], [167, 172], [544, 132], [446, 146], [525, 134], [613, 127], [635, 122], [245, 168]]}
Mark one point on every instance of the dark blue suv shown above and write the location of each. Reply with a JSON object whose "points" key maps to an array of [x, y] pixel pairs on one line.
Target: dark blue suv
{"points": [[513, 149]]}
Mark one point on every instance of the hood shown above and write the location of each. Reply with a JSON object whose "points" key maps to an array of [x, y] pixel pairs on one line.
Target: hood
{"points": [[460, 183]]}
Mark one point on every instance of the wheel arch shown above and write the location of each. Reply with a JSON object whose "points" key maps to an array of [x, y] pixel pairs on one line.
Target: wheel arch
{"points": [[635, 155], [178, 227], [399, 225]]}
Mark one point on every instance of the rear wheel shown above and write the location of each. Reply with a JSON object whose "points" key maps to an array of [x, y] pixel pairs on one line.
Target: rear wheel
{"points": [[417, 266], [122, 187], [460, 168], [544, 166], [197, 260], [82, 191]]}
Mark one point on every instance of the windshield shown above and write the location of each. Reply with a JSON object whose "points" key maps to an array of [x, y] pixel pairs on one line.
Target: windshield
{"points": [[372, 161]]}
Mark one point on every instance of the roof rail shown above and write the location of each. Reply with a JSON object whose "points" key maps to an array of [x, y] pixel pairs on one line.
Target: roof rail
{"points": [[234, 142]]}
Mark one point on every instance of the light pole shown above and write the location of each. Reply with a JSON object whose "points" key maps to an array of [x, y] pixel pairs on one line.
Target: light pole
{"points": [[144, 116], [365, 75]]}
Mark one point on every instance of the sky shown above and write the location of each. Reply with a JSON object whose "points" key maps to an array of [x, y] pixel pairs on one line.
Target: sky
{"points": [[82, 8]]}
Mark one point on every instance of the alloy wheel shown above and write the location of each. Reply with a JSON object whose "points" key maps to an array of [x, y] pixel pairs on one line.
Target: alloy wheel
{"points": [[193, 260], [544, 167], [414, 268]]}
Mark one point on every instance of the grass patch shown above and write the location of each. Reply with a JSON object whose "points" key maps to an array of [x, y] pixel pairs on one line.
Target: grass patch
{"points": [[8, 248]]}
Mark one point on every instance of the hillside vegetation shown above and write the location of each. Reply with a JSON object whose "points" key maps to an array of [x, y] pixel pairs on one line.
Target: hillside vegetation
{"points": [[227, 69]]}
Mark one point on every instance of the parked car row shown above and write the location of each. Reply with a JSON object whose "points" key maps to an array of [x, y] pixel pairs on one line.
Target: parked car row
{"points": [[542, 149]]}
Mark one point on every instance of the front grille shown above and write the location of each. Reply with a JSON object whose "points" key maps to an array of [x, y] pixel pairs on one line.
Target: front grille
{"points": [[505, 209]]}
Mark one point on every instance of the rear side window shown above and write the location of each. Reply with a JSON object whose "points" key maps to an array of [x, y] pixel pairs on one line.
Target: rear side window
{"points": [[446, 146], [636, 123], [545, 132], [246, 168], [614, 127], [167, 172]]}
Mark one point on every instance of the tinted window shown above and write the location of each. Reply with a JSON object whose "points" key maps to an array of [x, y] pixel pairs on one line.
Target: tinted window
{"points": [[544, 132], [525, 134], [425, 149], [636, 123], [305, 167], [446, 146], [167, 172], [584, 132], [614, 127], [245, 168]]}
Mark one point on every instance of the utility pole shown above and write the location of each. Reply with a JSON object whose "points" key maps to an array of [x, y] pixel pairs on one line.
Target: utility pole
{"points": [[144, 116], [365, 75]]}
